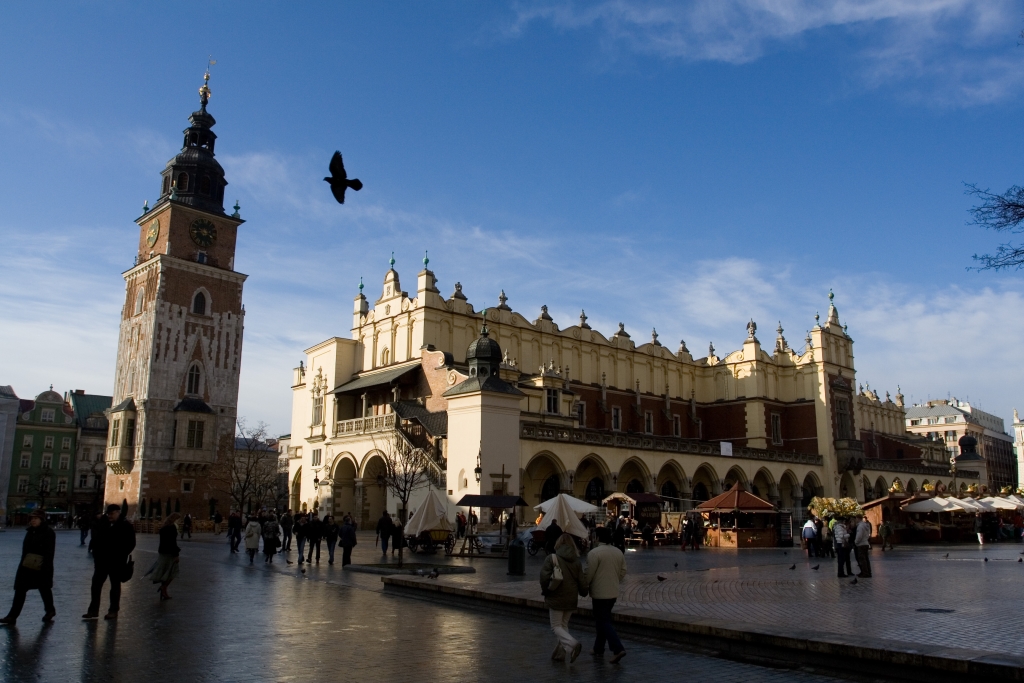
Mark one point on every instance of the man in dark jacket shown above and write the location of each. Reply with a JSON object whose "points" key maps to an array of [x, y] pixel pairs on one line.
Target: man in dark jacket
{"points": [[384, 528], [286, 528], [113, 539], [551, 536], [314, 532], [35, 570], [347, 540], [234, 530], [299, 529]]}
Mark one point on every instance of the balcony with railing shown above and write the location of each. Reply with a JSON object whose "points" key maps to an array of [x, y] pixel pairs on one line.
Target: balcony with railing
{"points": [[364, 425]]}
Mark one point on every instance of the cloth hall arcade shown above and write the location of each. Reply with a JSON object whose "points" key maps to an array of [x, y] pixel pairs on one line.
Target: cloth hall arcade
{"points": [[500, 403]]}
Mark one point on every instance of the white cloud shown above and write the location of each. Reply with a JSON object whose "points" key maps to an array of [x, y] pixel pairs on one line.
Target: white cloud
{"points": [[954, 51]]}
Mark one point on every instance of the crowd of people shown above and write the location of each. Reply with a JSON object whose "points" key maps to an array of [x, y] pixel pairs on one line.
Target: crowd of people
{"points": [[309, 531], [836, 537]]}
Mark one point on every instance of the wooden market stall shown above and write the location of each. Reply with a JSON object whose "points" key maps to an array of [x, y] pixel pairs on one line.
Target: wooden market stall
{"points": [[645, 508], [739, 519]]}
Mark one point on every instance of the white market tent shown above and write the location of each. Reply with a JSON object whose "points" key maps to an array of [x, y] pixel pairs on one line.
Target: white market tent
{"points": [[965, 504], [581, 507], [983, 507], [933, 505], [1001, 503], [1014, 498], [432, 514], [562, 512]]}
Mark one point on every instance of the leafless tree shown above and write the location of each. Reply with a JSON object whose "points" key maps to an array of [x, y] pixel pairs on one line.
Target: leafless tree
{"points": [[249, 471], [405, 468], [1003, 213]]}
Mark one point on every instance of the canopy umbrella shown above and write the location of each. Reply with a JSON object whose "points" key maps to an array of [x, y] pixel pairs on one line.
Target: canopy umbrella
{"points": [[581, 507], [985, 507], [932, 505], [737, 498], [965, 505], [432, 514], [563, 513], [1013, 497], [1000, 503]]}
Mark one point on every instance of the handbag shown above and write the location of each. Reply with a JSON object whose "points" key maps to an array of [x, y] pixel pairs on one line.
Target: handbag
{"points": [[33, 561], [556, 575], [128, 571]]}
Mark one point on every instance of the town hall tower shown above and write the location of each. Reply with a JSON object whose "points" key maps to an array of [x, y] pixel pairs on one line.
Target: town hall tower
{"points": [[180, 346]]}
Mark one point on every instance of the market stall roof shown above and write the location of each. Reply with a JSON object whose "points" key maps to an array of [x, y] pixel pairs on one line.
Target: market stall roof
{"points": [[899, 497], [967, 505], [633, 498], [1001, 503], [737, 498], [581, 507], [932, 505], [985, 507], [484, 501], [432, 514], [1015, 498], [561, 511], [376, 378]]}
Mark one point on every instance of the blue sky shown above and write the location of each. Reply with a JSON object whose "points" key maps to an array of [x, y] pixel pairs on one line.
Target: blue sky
{"points": [[685, 166]]}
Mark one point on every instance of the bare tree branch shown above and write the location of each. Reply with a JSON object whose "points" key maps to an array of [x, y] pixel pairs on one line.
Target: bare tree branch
{"points": [[405, 467], [1002, 213], [249, 471]]}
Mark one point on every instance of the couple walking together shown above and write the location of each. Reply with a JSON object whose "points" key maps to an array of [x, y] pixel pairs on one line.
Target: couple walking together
{"points": [[563, 580]]}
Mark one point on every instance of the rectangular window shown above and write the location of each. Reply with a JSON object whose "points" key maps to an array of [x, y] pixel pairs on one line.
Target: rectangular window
{"points": [[26, 441], [96, 482], [914, 423], [677, 426], [62, 484], [65, 461], [22, 484], [552, 396], [48, 442], [318, 410], [174, 434], [950, 436], [46, 415], [950, 420], [649, 422], [933, 420], [195, 434], [581, 413], [844, 426], [129, 433], [26, 460], [44, 485], [115, 429], [616, 418], [65, 443], [317, 457], [86, 454], [188, 485], [83, 480], [776, 429], [47, 460]]}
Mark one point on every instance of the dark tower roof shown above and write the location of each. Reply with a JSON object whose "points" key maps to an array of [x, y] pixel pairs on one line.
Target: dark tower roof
{"points": [[193, 176], [484, 359]]}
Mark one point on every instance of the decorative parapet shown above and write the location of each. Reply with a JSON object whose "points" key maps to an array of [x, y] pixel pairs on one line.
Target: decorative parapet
{"points": [[365, 425], [911, 468], [597, 437]]}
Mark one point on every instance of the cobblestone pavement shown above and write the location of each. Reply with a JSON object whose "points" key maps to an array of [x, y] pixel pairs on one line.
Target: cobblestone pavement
{"points": [[758, 588], [232, 622]]}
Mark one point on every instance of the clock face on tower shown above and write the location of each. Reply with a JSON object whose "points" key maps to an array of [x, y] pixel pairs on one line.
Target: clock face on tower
{"points": [[203, 232], [153, 233]]}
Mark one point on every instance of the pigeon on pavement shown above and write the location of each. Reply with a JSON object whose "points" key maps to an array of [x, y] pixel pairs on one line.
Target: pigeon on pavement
{"points": [[793, 567], [815, 567], [854, 581], [661, 577]]}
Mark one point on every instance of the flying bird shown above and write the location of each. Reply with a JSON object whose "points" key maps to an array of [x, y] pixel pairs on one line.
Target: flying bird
{"points": [[815, 567], [793, 567], [661, 577], [339, 181]]}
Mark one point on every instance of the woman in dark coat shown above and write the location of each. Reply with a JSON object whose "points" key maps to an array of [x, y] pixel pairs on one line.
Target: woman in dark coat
{"points": [[35, 570], [331, 531], [166, 568], [348, 541]]}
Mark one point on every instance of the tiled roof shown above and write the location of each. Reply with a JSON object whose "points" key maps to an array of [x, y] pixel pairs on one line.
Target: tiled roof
{"points": [[933, 411], [7, 391], [86, 405], [190, 404], [436, 424]]}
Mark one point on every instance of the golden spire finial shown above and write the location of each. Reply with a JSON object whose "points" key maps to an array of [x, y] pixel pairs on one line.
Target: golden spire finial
{"points": [[204, 91]]}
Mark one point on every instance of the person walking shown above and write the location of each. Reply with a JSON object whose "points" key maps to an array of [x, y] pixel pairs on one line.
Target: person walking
{"points": [[253, 531], [331, 532], [807, 534], [166, 567], [113, 540], [384, 528], [287, 521], [301, 522], [397, 538], [606, 567], [827, 543], [841, 536], [861, 548], [314, 533], [35, 569], [234, 530], [271, 538], [561, 590], [347, 536], [551, 536], [619, 536], [885, 533], [186, 526], [83, 526], [218, 519]]}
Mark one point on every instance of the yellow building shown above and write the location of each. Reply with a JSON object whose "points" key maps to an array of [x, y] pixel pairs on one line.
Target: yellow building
{"points": [[574, 410]]}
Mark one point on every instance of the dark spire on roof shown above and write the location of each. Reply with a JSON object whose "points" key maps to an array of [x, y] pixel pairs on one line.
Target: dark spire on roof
{"points": [[193, 176]]}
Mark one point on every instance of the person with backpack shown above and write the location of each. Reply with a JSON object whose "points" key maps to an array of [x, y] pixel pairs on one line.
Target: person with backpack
{"points": [[562, 582], [35, 569]]}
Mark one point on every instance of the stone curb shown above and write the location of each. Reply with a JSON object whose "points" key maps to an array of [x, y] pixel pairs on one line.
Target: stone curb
{"points": [[840, 653], [395, 571]]}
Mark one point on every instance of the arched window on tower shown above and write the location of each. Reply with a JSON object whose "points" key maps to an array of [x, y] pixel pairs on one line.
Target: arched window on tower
{"points": [[199, 304], [139, 299], [167, 184], [204, 185], [183, 182], [193, 379]]}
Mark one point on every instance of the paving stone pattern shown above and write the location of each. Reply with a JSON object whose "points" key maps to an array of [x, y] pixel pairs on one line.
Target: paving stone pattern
{"points": [[232, 622]]}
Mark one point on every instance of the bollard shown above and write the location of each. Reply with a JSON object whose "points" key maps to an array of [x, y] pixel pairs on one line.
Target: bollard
{"points": [[517, 558]]}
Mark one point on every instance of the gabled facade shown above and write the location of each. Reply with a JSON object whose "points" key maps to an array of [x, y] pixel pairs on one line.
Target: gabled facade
{"points": [[590, 413], [41, 472], [91, 443]]}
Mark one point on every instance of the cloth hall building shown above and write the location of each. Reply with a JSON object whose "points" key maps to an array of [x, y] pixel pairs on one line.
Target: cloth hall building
{"points": [[503, 404]]}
